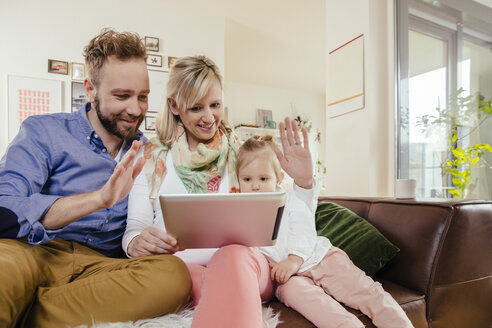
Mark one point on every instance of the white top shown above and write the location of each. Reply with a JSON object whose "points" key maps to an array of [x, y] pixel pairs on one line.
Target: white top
{"points": [[142, 212], [297, 234]]}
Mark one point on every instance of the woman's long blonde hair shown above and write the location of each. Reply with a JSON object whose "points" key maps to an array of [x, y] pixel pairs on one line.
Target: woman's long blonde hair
{"points": [[189, 81]]}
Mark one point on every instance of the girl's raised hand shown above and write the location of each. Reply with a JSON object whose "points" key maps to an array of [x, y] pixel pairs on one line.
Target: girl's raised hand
{"points": [[296, 157]]}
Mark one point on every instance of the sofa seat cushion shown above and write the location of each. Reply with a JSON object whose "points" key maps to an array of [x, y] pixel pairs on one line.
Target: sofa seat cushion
{"points": [[412, 302]]}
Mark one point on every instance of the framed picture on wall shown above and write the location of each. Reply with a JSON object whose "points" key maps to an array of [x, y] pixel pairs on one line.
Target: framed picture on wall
{"points": [[151, 44], [346, 79], [262, 116], [57, 66], [31, 96], [79, 96], [78, 71], [154, 60], [157, 98], [150, 123]]}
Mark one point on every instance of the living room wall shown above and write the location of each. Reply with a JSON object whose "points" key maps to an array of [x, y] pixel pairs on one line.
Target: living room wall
{"points": [[359, 152], [34, 31], [275, 59], [360, 145]]}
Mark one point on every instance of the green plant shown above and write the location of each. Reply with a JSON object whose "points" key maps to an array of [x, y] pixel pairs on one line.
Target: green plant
{"points": [[464, 159], [303, 123], [462, 116]]}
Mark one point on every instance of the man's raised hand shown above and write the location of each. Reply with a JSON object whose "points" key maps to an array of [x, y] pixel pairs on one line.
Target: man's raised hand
{"points": [[121, 181]]}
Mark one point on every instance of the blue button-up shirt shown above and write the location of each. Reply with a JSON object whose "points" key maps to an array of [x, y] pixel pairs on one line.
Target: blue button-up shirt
{"points": [[54, 156]]}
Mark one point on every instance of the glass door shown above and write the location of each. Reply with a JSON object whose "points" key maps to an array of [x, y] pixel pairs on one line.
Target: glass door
{"points": [[428, 88], [476, 79], [444, 132]]}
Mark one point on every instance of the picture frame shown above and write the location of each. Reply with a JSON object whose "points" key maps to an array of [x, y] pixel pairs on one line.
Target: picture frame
{"points": [[154, 60], [78, 71], [79, 97], [262, 116], [151, 43], [346, 79], [57, 66], [150, 122], [31, 96], [171, 60], [158, 82]]}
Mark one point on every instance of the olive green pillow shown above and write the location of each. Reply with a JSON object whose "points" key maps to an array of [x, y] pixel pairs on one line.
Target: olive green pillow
{"points": [[363, 243]]}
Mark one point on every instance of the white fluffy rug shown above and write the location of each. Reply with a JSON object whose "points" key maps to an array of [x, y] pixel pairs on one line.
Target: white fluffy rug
{"points": [[181, 319]]}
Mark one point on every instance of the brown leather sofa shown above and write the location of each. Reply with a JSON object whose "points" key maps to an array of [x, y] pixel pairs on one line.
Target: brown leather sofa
{"points": [[442, 276]]}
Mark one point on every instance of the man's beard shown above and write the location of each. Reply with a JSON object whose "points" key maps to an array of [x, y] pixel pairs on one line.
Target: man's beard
{"points": [[110, 123]]}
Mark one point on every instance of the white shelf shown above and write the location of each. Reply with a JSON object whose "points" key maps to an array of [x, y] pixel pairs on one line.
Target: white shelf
{"points": [[245, 132]]}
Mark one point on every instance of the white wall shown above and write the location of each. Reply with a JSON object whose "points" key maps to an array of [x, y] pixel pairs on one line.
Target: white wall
{"points": [[34, 31], [275, 60], [359, 149], [243, 99], [360, 145], [278, 43]]}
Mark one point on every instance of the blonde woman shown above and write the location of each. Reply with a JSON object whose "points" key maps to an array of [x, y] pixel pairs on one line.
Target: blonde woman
{"points": [[195, 151]]}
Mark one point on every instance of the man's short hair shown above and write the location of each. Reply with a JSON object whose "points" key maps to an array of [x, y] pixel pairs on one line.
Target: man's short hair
{"points": [[108, 43]]}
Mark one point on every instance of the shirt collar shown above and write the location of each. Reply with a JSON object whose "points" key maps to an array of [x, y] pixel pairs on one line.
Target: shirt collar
{"points": [[84, 123]]}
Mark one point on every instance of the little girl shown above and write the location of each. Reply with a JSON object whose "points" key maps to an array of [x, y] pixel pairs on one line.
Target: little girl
{"points": [[312, 274]]}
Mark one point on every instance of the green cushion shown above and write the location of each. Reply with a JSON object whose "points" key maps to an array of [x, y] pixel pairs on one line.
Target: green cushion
{"points": [[363, 243]]}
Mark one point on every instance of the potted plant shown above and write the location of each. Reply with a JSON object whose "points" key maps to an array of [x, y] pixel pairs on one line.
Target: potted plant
{"points": [[303, 123], [462, 116]]}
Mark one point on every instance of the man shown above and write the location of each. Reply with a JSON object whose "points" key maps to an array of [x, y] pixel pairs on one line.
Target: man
{"points": [[64, 182]]}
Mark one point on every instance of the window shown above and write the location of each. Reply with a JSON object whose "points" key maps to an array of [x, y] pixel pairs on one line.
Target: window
{"points": [[440, 50]]}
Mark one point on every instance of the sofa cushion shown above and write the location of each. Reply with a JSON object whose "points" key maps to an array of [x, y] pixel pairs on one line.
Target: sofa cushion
{"points": [[363, 243]]}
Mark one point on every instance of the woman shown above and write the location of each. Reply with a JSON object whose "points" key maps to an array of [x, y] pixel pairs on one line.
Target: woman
{"points": [[195, 151]]}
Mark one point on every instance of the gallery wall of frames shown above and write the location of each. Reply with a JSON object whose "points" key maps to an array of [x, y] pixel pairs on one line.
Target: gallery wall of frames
{"points": [[33, 96]]}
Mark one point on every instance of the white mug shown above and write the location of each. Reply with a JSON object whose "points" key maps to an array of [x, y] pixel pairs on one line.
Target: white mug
{"points": [[405, 188]]}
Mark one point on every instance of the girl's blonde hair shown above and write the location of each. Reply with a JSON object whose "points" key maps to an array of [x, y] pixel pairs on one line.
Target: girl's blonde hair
{"points": [[257, 146], [189, 81]]}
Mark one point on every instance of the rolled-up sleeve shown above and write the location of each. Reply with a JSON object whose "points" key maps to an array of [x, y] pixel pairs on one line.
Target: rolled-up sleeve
{"points": [[24, 170]]}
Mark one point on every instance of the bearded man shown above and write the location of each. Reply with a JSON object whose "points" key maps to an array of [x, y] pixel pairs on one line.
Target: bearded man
{"points": [[64, 184]]}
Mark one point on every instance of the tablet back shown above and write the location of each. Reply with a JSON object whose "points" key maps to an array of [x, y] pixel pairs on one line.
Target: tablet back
{"points": [[216, 220]]}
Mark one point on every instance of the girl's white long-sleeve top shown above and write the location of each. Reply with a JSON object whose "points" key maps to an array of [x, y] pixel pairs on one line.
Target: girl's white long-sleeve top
{"points": [[142, 212], [297, 234]]}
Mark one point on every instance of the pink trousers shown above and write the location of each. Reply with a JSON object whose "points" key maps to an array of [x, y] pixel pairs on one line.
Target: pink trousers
{"points": [[228, 292], [315, 294]]}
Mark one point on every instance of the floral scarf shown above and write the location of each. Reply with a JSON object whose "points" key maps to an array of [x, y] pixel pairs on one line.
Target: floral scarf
{"points": [[201, 170]]}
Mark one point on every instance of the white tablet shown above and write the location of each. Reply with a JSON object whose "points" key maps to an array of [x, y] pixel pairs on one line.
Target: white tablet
{"points": [[216, 220]]}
